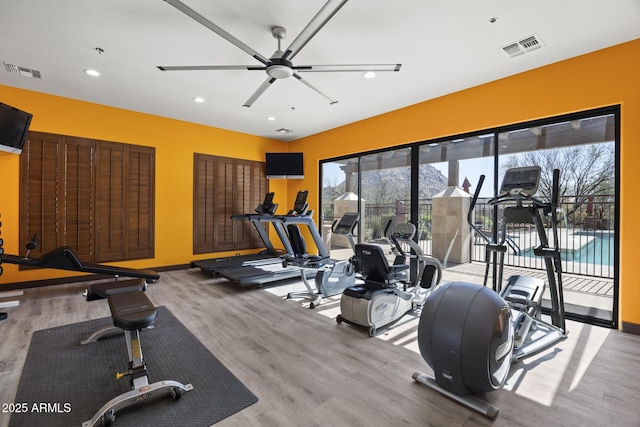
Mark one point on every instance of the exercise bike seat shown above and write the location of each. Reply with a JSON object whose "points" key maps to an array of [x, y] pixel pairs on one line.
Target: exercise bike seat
{"points": [[374, 267], [132, 310]]}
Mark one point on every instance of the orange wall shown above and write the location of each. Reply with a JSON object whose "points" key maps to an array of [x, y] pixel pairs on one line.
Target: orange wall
{"points": [[175, 143], [603, 78]]}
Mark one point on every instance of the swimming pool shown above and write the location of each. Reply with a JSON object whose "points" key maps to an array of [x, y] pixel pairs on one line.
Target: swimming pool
{"points": [[598, 250]]}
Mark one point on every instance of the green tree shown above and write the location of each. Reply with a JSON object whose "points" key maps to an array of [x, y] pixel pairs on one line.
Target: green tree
{"points": [[585, 171]]}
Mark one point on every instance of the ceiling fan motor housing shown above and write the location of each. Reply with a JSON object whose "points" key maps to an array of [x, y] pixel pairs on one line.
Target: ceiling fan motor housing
{"points": [[280, 68]]}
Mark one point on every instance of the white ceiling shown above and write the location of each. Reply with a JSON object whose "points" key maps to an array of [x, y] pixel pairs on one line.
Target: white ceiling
{"points": [[443, 46]]}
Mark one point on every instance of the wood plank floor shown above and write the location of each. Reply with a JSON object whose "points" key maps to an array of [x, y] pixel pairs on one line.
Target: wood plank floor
{"points": [[309, 371]]}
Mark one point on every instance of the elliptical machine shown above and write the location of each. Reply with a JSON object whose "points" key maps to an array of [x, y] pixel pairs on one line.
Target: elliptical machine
{"points": [[469, 334], [380, 301]]}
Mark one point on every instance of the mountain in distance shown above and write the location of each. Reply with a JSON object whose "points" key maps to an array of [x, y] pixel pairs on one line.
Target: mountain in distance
{"points": [[384, 186]]}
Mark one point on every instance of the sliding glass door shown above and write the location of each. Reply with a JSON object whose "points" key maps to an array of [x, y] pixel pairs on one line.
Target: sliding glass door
{"points": [[430, 183], [584, 150]]}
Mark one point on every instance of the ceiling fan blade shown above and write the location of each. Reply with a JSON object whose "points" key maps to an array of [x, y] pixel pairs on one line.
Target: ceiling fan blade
{"points": [[264, 86], [330, 8], [346, 68], [315, 89], [208, 67], [213, 27]]}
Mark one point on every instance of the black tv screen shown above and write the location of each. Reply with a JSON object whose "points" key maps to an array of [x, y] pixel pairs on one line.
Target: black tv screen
{"points": [[14, 125], [284, 165]]}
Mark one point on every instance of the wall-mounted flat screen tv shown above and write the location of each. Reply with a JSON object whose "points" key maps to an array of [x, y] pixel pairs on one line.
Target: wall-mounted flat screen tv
{"points": [[284, 165], [14, 126]]}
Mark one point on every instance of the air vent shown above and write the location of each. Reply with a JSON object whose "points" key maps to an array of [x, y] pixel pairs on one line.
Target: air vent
{"points": [[23, 71], [513, 50], [530, 43], [525, 45]]}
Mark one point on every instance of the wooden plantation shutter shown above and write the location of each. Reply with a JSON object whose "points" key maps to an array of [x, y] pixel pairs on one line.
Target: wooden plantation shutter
{"points": [[223, 187], [94, 196], [56, 193], [223, 206], [110, 202], [78, 178], [203, 194], [125, 196], [140, 200], [250, 190], [39, 192]]}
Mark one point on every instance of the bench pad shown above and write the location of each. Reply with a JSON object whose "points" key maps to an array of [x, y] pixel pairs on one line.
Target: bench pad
{"points": [[132, 310], [103, 290]]}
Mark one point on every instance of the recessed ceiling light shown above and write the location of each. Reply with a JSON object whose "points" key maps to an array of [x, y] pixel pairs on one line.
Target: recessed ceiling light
{"points": [[271, 118], [199, 99], [92, 72], [369, 74]]}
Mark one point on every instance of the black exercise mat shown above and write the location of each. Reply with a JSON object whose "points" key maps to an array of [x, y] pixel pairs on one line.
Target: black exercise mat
{"points": [[65, 384]]}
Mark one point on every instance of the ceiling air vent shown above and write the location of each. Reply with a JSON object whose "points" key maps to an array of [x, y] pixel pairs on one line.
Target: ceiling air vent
{"points": [[531, 43], [23, 71], [525, 45], [513, 50]]}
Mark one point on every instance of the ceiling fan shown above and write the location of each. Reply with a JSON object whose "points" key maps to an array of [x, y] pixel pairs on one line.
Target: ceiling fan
{"points": [[279, 65]]}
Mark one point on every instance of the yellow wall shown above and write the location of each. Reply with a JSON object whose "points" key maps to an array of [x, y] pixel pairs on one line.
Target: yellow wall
{"points": [[603, 78], [175, 143]]}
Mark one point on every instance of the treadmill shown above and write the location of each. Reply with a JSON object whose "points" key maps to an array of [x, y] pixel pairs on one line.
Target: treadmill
{"points": [[270, 255], [259, 274]]}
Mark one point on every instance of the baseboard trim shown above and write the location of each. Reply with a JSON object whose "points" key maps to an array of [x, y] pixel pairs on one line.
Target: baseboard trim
{"points": [[77, 279], [631, 328]]}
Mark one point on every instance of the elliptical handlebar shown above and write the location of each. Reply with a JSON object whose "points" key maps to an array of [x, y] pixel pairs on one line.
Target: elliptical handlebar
{"points": [[472, 207], [476, 193], [555, 191], [386, 228]]}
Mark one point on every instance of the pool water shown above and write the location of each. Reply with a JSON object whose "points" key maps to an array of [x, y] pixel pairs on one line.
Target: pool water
{"points": [[599, 250]]}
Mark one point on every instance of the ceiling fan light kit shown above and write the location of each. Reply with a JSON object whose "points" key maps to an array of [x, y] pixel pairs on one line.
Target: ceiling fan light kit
{"points": [[279, 65]]}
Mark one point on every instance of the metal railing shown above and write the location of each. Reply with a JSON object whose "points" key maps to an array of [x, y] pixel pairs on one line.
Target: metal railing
{"points": [[586, 233]]}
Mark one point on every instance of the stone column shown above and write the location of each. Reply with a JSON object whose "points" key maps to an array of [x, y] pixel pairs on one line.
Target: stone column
{"points": [[449, 229], [347, 202]]}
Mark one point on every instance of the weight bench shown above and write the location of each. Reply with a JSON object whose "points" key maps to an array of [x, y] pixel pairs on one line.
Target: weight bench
{"points": [[131, 311], [103, 290]]}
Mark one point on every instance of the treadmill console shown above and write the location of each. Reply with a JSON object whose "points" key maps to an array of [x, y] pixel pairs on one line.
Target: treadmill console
{"points": [[300, 206], [521, 180], [267, 206]]}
